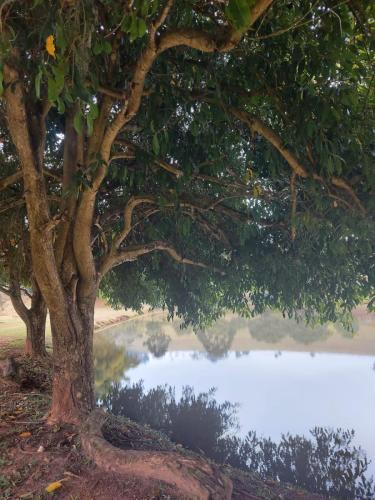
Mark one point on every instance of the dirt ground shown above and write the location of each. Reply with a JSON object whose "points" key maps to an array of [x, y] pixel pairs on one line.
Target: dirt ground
{"points": [[34, 456]]}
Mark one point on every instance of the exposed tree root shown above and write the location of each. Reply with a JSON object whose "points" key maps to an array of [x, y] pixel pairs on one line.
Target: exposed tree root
{"points": [[192, 475]]}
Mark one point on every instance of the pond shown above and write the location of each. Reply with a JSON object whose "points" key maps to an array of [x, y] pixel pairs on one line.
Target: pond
{"points": [[286, 377]]}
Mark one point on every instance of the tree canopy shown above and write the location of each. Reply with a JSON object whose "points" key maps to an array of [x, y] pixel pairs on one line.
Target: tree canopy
{"points": [[202, 156]]}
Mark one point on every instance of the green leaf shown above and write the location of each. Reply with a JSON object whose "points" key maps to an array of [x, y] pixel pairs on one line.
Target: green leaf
{"points": [[102, 47], [135, 26], [107, 47], [60, 106], [94, 111], [78, 121], [91, 116], [53, 90], [38, 80], [238, 13], [155, 144], [126, 24], [141, 27], [59, 72], [154, 7], [68, 97], [60, 38], [97, 48]]}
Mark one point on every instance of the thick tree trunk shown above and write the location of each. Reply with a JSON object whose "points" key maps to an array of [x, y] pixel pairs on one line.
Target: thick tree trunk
{"points": [[73, 378], [69, 293]]}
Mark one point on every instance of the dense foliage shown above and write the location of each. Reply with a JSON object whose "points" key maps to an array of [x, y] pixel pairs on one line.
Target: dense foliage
{"points": [[224, 196]]}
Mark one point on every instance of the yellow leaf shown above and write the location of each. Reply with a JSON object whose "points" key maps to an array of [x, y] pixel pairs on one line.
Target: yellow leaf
{"points": [[50, 46], [53, 486], [25, 434]]}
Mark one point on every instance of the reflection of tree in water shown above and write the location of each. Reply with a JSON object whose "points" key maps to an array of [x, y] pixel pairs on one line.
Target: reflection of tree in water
{"points": [[348, 333], [157, 341], [326, 462], [111, 362], [272, 328], [218, 339]]}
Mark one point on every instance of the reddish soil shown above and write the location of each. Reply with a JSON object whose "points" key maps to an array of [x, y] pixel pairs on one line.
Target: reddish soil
{"points": [[34, 455]]}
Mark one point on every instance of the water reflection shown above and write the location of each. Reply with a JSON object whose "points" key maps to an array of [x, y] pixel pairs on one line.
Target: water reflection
{"points": [[287, 377], [272, 328], [156, 335], [157, 341], [111, 364], [326, 462], [217, 343]]}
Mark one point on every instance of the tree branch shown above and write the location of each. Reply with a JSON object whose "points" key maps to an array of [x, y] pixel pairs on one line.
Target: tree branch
{"points": [[128, 214], [258, 126], [135, 251], [34, 188], [11, 179], [130, 107], [225, 39]]}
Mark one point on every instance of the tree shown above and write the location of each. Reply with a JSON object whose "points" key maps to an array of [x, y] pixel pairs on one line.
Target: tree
{"points": [[206, 148], [16, 274], [17, 281]]}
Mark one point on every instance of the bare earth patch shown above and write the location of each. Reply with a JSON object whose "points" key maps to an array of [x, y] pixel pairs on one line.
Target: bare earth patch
{"points": [[34, 455]]}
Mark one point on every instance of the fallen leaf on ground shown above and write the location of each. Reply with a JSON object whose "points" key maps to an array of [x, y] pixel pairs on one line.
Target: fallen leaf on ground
{"points": [[25, 434], [53, 486]]}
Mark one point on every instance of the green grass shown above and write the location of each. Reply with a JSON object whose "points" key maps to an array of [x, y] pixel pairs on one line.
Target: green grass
{"points": [[12, 336], [12, 327]]}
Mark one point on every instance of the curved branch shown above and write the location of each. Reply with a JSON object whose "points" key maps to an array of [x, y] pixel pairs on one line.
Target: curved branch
{"points": [[224, 40], [133, 252], [11, 179], [130, 107], [128, 214], [258, 126]]}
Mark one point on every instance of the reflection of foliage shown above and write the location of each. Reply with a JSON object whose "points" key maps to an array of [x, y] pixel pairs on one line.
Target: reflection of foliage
{"points": [[354, 327], [216, 343], [218, 339], [111, 363], [195, 421], [270, 327], [157, 341], [158, 344], [327, 463]]}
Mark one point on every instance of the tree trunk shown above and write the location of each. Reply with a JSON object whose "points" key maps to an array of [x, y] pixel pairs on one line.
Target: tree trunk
{"points": [[35, 332], [70, 297], [73, 376], [34, 318], [36, 324]]}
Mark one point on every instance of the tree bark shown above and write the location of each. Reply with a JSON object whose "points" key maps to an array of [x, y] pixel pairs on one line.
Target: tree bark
{"points": [[36, 327], [34, 318], [73, 374]]}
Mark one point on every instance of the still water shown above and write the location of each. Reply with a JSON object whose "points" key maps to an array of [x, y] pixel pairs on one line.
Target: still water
{"points": [[286, 377]]}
